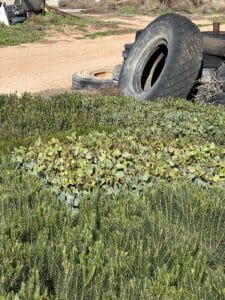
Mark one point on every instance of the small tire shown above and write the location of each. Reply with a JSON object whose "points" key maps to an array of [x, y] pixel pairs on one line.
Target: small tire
{"points": [[164, 61], [92, 78]]}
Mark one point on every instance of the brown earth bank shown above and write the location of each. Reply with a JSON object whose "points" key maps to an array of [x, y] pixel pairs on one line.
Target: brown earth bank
{"points": [[50, 65]]}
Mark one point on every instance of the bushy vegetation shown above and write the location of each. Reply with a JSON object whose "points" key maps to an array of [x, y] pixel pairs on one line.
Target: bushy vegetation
{"points": [[159, 234], [120, 161], [25, 116], [167, 243]]}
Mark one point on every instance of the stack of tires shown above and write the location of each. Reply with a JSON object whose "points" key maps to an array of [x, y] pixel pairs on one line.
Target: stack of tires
{"points": [[167, 59]]}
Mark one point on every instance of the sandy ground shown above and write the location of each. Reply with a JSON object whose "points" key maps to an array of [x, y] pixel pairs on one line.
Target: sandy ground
{"points": [[37, 67], [47, 66]]}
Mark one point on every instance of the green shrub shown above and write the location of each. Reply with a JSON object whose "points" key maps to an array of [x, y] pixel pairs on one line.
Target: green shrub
{"points": [[166, 243], [30, 115], [139, 233]]}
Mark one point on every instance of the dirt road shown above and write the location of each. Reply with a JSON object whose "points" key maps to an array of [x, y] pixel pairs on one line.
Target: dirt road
{"points": [[38, 67], [50, 65]]}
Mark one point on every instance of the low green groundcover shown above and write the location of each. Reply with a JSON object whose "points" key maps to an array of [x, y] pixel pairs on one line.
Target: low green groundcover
{"points": [[122, 160]]}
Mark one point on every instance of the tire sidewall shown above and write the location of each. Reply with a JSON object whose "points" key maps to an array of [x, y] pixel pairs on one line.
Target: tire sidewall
{"points": [[162, 30]]}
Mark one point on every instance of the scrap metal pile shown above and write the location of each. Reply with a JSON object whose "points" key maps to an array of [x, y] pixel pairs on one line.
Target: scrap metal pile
{"points": [[169, 58], [19, 11]]}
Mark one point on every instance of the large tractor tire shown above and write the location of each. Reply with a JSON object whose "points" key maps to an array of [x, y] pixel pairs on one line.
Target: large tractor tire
{"points": [[165, 60]]}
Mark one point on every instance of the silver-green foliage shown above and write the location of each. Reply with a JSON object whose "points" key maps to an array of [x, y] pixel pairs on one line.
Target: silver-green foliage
{"points": [[139, 234], [30, 115], [167, 243], [123, 160]]}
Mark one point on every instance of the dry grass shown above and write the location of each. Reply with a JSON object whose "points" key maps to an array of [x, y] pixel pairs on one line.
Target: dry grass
{"points": [[102, 6], [147, 6], [208, 91]]}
